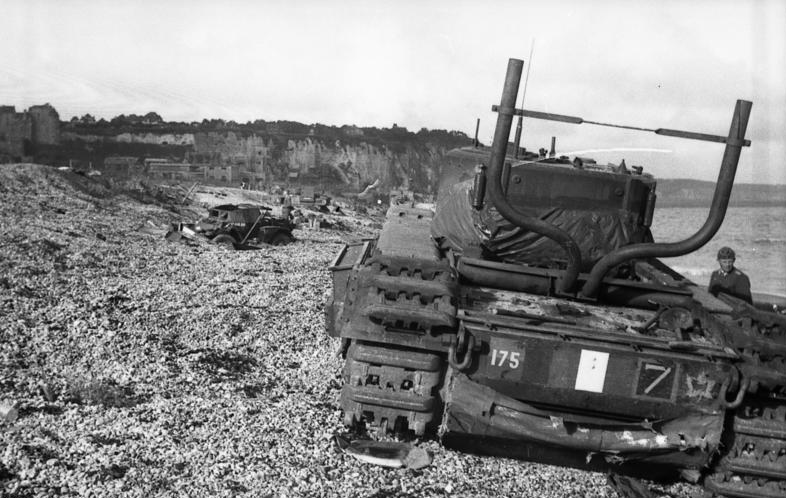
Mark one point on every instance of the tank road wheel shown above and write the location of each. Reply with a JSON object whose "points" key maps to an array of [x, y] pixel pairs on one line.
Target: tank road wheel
{"points": [[281, 239], [225, 239]]}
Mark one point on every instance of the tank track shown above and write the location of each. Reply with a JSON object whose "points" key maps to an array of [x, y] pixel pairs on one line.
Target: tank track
{"points": [[765, 351], [418, 298], [753, 465], [386, 386], [390, 386]]}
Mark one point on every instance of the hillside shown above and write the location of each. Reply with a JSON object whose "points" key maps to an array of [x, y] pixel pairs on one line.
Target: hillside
{"points": [[345, 158], [690, 193]]}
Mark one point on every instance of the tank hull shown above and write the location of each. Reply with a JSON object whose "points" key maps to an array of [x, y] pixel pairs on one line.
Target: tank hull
{"points": [[532, 318], [542, 377]]}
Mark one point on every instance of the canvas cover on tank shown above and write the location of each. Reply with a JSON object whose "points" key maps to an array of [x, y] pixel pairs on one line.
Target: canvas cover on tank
{"points": [[601, 212]]}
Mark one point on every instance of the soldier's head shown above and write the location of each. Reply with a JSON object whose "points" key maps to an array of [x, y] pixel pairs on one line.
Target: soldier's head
{"points": [[726, 259]]}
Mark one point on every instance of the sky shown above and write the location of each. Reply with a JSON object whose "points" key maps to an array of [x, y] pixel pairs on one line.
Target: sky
{"points": [[434, 64]]}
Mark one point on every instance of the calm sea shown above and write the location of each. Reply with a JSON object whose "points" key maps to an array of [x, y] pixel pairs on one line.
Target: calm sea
{"points": [[757, 235]]}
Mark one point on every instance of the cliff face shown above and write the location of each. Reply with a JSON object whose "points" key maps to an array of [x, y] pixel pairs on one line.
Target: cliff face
{"points": [[346, 158], [359, 165], [152, 138], [138, 138]]}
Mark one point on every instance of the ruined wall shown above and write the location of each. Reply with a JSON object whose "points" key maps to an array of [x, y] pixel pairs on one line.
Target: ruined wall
{"points": [[46, 124], [16, 133], [22, 132]]}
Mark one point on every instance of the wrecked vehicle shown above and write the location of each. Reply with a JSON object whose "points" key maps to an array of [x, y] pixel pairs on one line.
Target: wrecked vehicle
{"points": [[238, 226], [531, 316]]}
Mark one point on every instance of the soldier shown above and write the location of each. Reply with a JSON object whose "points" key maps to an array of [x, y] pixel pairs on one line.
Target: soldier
{"points": [[728, 279]]}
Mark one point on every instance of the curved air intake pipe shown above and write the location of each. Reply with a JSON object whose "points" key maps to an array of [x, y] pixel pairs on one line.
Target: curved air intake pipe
{"points": [[720, 201], [498, 152]]}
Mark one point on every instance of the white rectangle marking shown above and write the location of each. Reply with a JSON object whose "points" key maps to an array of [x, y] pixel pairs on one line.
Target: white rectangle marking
{"points": [[591, 375]]}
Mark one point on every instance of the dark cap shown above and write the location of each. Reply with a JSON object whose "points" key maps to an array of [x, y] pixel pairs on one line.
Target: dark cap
{"points": [[726, 253]]}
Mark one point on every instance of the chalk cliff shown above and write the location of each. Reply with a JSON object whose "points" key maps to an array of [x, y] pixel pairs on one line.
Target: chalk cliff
{"points": [[348, 158]]}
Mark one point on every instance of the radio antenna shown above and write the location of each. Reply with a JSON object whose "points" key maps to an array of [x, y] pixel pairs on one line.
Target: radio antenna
{"points": [[529, 66], [517, 141]]}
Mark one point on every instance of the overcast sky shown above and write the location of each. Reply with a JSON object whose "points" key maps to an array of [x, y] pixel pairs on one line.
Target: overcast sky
{"points": [[438, 64]]}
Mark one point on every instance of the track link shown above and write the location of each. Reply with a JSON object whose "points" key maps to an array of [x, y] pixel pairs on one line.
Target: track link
{"points": [[391, 386], [754, 465], [386, 386]]}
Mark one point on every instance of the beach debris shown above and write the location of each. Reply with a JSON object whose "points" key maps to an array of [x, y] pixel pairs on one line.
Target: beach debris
{"points": [[47, 392], [629, 487], [392, 454], [8, 412]]}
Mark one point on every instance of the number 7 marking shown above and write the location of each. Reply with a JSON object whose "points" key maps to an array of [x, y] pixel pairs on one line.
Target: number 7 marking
{"points": [[666, 372]]}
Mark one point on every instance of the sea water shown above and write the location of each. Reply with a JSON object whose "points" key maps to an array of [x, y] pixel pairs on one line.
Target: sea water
{"points": [[757, 235]]}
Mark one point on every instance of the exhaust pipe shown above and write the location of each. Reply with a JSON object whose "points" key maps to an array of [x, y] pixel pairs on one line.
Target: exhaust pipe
{"points": [[720, 202], [499, 147]]}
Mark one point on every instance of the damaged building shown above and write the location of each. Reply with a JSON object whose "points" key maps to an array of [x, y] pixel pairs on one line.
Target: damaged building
{"points": [[22, 132]]}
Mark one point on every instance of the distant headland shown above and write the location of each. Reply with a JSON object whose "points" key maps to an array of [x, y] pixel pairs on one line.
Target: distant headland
{"points": [[695, 193]]}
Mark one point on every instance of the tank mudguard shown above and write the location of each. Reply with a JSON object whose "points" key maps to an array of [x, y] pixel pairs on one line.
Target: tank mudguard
{"points": [[343, 268]]}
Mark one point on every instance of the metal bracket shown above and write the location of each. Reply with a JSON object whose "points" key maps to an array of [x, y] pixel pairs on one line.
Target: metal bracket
{"points": [[740, 393], [464, 343]]}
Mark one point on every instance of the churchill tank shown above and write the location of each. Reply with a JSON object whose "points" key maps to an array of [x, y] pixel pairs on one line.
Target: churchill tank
{"points": [[532, 315]]}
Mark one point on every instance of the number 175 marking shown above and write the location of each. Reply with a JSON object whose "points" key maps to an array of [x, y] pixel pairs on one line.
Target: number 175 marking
{"points": [[500, 356]]}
